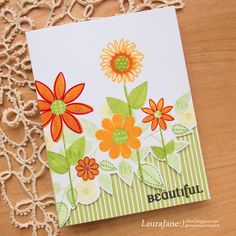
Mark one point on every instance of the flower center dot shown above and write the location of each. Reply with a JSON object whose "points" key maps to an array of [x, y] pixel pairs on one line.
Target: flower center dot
{"points": [[121, 63], [58, 107], [157, 114], [120, 136]]}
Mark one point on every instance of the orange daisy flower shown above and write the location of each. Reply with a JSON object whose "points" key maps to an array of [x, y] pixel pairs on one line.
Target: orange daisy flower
{"points": [[121, 61], [87, 168], [157, 114], [119, 136], [57, 107]]}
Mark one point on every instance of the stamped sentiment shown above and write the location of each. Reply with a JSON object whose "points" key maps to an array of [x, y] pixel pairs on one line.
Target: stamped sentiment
{"points": [[186, 192]]}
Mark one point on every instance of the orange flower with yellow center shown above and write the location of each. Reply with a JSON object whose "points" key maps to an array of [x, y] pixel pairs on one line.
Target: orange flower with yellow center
{"points": [[121, 61], [157, 114], [57, 107], [87, 168], [119, 136]]}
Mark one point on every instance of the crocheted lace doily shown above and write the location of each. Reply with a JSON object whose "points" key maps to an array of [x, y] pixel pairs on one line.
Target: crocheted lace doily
{"points": [[24, 174]]}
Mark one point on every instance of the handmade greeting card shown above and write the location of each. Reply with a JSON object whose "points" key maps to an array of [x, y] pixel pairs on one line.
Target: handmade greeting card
{"points": [[116, 108]]}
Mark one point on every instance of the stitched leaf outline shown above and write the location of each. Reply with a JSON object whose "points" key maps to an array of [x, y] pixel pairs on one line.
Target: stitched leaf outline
{"points": [[62, 212], [151, 176]]}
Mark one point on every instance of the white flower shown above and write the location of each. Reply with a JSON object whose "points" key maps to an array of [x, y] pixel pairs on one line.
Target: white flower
{"points": [[88, 192]]}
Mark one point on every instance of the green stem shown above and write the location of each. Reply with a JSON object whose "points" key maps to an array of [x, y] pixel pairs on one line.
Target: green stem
{"points": [[126, 96], [71, 185], [139, 165], [162, 138], [137, 151]]}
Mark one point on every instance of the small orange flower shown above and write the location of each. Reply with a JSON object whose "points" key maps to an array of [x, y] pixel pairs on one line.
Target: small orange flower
{"points": [[87, 168], [157, 114], [57, 107], [119, 136]]}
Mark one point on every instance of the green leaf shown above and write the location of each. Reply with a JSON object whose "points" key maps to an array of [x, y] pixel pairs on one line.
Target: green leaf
{"points": [[58, 163], [159, 153], [170, 147], [174, 162], [180, 130], [143, 152], [138, 96], [107, 166], [62, 213], [125, 172], [118, 106], [151, 176], [70, 197], [182, 103], [180, 145], [105, 183], [89, 128], [76, 151]]}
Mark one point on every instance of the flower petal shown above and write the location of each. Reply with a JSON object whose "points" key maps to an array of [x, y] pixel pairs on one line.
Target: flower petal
{"points": [[85, 175], [79, 108], [125, 151], [167, 117], [117, 120], [114, 151], [134, 143], [152, 105], [148, 111], [56, 128], [108, 125], [79, 168], [44, 91], [162, 124], [44, 105], [86, 161], [103, 135], [94, 166], [105, 146], [72, 123], [73, 93], [81, 173], [90, 175], [81, 163], [135, 131], [59, 86], [128, 123], [166, 109], [92, 162], [148, 119], [46, 117], [154, 124], [160, 104], [94, 172]]}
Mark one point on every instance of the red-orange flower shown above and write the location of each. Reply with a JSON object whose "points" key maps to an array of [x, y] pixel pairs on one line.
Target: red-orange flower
{"points": [[57, 107], [87, 168], [157, 114]]}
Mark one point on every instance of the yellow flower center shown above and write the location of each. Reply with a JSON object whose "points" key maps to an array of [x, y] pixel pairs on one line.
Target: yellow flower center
{"points": [[120, 136], [58, 107], [121, 63], [157, 114]]}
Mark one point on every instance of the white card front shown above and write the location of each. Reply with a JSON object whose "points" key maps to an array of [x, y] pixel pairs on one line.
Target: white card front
{"points": [[117, 114]]}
